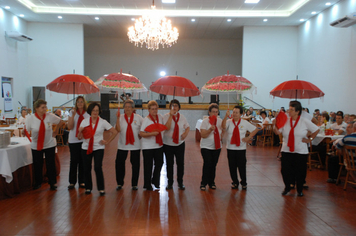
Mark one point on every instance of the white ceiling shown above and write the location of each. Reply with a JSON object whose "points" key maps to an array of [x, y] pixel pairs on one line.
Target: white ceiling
{"points": [[115, 15]]}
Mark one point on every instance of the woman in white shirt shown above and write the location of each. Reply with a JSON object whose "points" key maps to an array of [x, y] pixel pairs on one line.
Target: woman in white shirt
{"points": [[22, 119], [265, 121], [174, 145], [94, 146], [295, 147], [210, 146], [76, 168], [236, 129], [128, 125], [43, 142], [152, 148]]}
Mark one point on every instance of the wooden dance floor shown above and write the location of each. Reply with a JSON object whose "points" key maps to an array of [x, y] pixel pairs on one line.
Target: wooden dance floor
{"points": [[325, 209]]}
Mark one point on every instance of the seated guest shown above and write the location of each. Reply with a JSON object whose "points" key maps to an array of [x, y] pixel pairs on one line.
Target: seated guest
{"points": [[339, 125], [333, 162], [252, 112], [316, 113], [265, 121], [306, 109], [65, 132], [283, 109], [323, 122], [22, 119], [352, 117], [347, 118], [332, 117], [247, 115]]}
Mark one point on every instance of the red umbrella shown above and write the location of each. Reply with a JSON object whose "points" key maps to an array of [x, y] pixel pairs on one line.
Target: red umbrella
{"points": [[121, 82], [297, 89], [73, 84], [176, 86]]}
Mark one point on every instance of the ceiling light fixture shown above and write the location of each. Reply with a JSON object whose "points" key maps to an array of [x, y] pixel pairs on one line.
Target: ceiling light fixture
{"points": [[133, 19], [228, 20], [7, 7], [193, 20], [301, 20], [96, 18], [168, 1], [265, 20], [22, 15], [60, 17], [328, 4], [252, 1], [154, 30], [313, 12]]}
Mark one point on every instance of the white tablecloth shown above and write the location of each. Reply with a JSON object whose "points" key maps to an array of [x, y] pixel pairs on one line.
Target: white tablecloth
{"points": [[197, 126], [320, 137], [14, 128], [14, 157]]}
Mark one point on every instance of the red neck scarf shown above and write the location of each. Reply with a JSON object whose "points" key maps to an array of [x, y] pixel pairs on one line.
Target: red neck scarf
{"points": [[158, 136], [130, 139], [91, 141], [213, 121], [80, 119], [235, 139], [176, 129], [41, 132], [291, 142]]}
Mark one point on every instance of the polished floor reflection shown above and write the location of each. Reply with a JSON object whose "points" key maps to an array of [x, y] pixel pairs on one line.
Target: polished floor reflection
{"points": [[260, 210]]}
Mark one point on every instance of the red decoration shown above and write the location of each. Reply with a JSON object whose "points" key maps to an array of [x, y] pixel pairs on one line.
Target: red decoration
{"points": [[155, 127]]}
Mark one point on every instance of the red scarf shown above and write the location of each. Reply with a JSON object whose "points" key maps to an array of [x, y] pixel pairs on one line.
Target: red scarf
{"points": [[291, 142], [176, 129], [130, 139], [91, 141], [41, 132], [80, 119], [158, 136], [213, 121], [235, 139]]}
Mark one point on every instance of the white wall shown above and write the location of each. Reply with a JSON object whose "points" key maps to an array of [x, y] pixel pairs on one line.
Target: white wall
{"points": [[208, 58], [269, 58], [327, 58], [13, 60], [57, 49]]}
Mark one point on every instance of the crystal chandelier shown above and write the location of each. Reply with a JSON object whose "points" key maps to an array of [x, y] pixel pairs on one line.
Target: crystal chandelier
{"points": [[153, 29]]}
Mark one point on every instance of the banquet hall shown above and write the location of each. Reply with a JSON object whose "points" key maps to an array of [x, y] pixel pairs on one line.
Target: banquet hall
{"points": [[267, 42]]}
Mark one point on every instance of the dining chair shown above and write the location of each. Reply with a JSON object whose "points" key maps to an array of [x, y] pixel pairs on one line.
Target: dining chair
{"points": [[267, 136], [10, 121], [11, 131], [60, 135], [311, 161], [280, 145], [341, 164], [349, 157], [20, 132]]}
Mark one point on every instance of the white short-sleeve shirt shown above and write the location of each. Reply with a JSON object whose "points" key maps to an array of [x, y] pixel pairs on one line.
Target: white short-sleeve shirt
{"points": [[150, 142], [342, 127], [136, 126], [98, 136], [168, 134], [300, 132], [33, 125], [72, 132], [22, 120], [244, 126], [209, 142]]}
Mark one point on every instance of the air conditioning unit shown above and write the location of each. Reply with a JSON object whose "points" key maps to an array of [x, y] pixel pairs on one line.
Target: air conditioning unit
{"points": [[345, 21], [18, 36]]}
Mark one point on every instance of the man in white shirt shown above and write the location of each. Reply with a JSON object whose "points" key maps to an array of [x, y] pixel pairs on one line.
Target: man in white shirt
{"points": [[265, 121], [339, 126]]}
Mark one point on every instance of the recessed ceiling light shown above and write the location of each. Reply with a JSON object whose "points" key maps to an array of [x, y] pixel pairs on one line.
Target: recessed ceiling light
{"points": [[252, 1], [96, 18], [265, 20], [7, 7], [22, 15], [228, 20], [328, 4], [60, 17], [301, 20], [168, 1], [133, 19], [313, 12], [193, 20], [162, 73]]}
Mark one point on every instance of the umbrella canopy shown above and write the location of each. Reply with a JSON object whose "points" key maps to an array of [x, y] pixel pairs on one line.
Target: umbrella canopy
{"points": [[176, 86], [73, 84], [297, 89], [228, 84]]}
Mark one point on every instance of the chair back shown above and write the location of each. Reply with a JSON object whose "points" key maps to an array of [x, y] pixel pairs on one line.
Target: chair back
{"points": [[61, 129], [10, 121], [11, 132], [349, 157], [268, 130]]}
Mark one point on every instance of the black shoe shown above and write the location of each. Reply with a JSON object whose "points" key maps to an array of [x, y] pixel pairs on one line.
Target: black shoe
{"points": [[71, 186], [244, 187], [285, 192], [202, 187], [300, 194], [157, 188], [234, 186], [87, 191], [213, 186], [292, 186], [102, 192], [169, 187], [82, 185], [53, 187], [181, 186], [305, 186], [148, 188], [119, 187], [36, 187], [134, 188]]}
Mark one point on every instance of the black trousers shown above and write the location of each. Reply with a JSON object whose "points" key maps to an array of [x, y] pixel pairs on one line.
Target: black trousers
{"points": [[237, 159], [76, 168], [333, 167], [321, 149], [37, 157], [294, 168], [121, 156], [211, 158], [98, 163], [150, 155], [178, 152]]}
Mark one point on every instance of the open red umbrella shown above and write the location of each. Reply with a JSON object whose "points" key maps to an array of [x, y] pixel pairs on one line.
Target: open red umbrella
{"points": [[176, 86], [297, 89], [73, 84]]}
